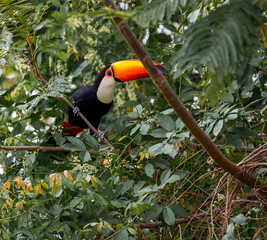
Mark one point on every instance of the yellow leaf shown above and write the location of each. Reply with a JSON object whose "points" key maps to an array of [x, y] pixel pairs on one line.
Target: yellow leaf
{"points": [[142, 156], [136, 84], [119, 226], [99, 227], [44, 184], [68, 175], [19, 205], [29, 187], [58, 179], [54, 188], [6, 185], [52, 176], [84, 185], [20, 183], [9, 202], [94, 182], [38, 190]]}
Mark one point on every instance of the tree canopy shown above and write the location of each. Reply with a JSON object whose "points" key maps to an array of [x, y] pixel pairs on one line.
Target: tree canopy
{"points": [[158, 183]]}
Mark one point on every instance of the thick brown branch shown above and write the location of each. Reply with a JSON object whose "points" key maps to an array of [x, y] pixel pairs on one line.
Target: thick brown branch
{"points": [[179, 108]]}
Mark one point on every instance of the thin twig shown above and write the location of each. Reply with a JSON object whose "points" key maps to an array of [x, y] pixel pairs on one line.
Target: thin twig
{"points": [[60, 149]]}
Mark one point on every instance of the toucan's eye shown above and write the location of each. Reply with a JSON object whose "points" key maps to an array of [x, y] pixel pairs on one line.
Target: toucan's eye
{"points": [[109, 73]]}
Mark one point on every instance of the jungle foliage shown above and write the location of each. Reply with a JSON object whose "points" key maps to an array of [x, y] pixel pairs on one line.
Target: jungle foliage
{"points": [[215, 52]]}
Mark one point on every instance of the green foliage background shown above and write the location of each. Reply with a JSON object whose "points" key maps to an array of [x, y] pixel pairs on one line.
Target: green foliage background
{"points": [[215, 52]]}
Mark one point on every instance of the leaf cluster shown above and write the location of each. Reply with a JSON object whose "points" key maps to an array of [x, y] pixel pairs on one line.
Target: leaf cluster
{"points": [[225, 42]]}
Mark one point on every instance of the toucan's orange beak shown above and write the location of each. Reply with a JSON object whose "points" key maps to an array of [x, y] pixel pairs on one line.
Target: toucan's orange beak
{"points": [[128, 70]]}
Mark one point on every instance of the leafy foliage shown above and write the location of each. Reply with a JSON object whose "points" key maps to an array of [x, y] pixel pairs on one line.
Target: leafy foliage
{"points": [[223, 42], [156, 11], [158, 174], [16, 16]]}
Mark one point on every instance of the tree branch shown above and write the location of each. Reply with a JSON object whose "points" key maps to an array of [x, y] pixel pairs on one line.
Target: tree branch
{"points": [[127, 151], [42, 148], [179, 108], [59, 149]]}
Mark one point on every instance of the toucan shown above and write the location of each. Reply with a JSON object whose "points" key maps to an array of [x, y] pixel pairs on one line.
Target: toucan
{"points": [[95, 101]]}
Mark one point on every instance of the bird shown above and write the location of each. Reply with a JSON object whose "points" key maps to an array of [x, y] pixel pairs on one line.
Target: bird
{"points": [[94, 101]]}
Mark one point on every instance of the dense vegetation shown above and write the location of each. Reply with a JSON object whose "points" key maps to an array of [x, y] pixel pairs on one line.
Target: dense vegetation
{"points": [[159, 183]]}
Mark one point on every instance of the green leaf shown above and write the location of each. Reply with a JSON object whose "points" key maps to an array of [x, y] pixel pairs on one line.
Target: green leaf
{"points": [[72, 147], [62, 55], [156, 149], [100, 200], [118, 204], [168, 216], [234, 139], [149, 169], [75, 202], [138, 186], [2, 92], [77, 142], [139, 210], [144, 128], [153, 212], [179, 211], [169, 150], [166, 122], [161, 163], [230, 232], [179, 124], [79, 70], [159, 133], [122, 235], [137, 126], [165, 175], [240, 219], [59, 139], [85, 156], [91, 141], [218, 127], [176, 177], [137, 112]]}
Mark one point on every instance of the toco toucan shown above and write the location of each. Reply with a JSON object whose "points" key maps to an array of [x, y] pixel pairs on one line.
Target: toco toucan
{"points": [[94, 101]]}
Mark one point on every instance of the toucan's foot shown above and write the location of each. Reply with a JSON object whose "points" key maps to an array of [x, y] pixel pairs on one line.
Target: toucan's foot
{"points": [[101, 136], [76, 110]]}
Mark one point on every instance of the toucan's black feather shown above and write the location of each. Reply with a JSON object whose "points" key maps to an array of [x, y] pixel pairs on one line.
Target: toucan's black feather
{"points": [[86, 99]]}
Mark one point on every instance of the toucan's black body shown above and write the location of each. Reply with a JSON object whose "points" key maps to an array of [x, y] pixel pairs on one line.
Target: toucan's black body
{"points": [[89, 105]]}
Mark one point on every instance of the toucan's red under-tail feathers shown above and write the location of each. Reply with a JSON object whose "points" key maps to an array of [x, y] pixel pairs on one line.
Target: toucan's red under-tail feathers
{"points": [[70, 129]]}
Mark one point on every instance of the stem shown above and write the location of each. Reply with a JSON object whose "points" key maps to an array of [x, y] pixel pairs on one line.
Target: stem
{"points": [[59, 149], [179, 108]]}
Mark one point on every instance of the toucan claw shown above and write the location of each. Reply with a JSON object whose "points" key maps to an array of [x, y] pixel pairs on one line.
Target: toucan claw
{"points": [[101, 136], [76, 110]]}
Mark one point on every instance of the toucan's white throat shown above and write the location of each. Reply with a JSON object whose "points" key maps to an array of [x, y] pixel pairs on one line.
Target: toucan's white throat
{"points": [[106, 89]]}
